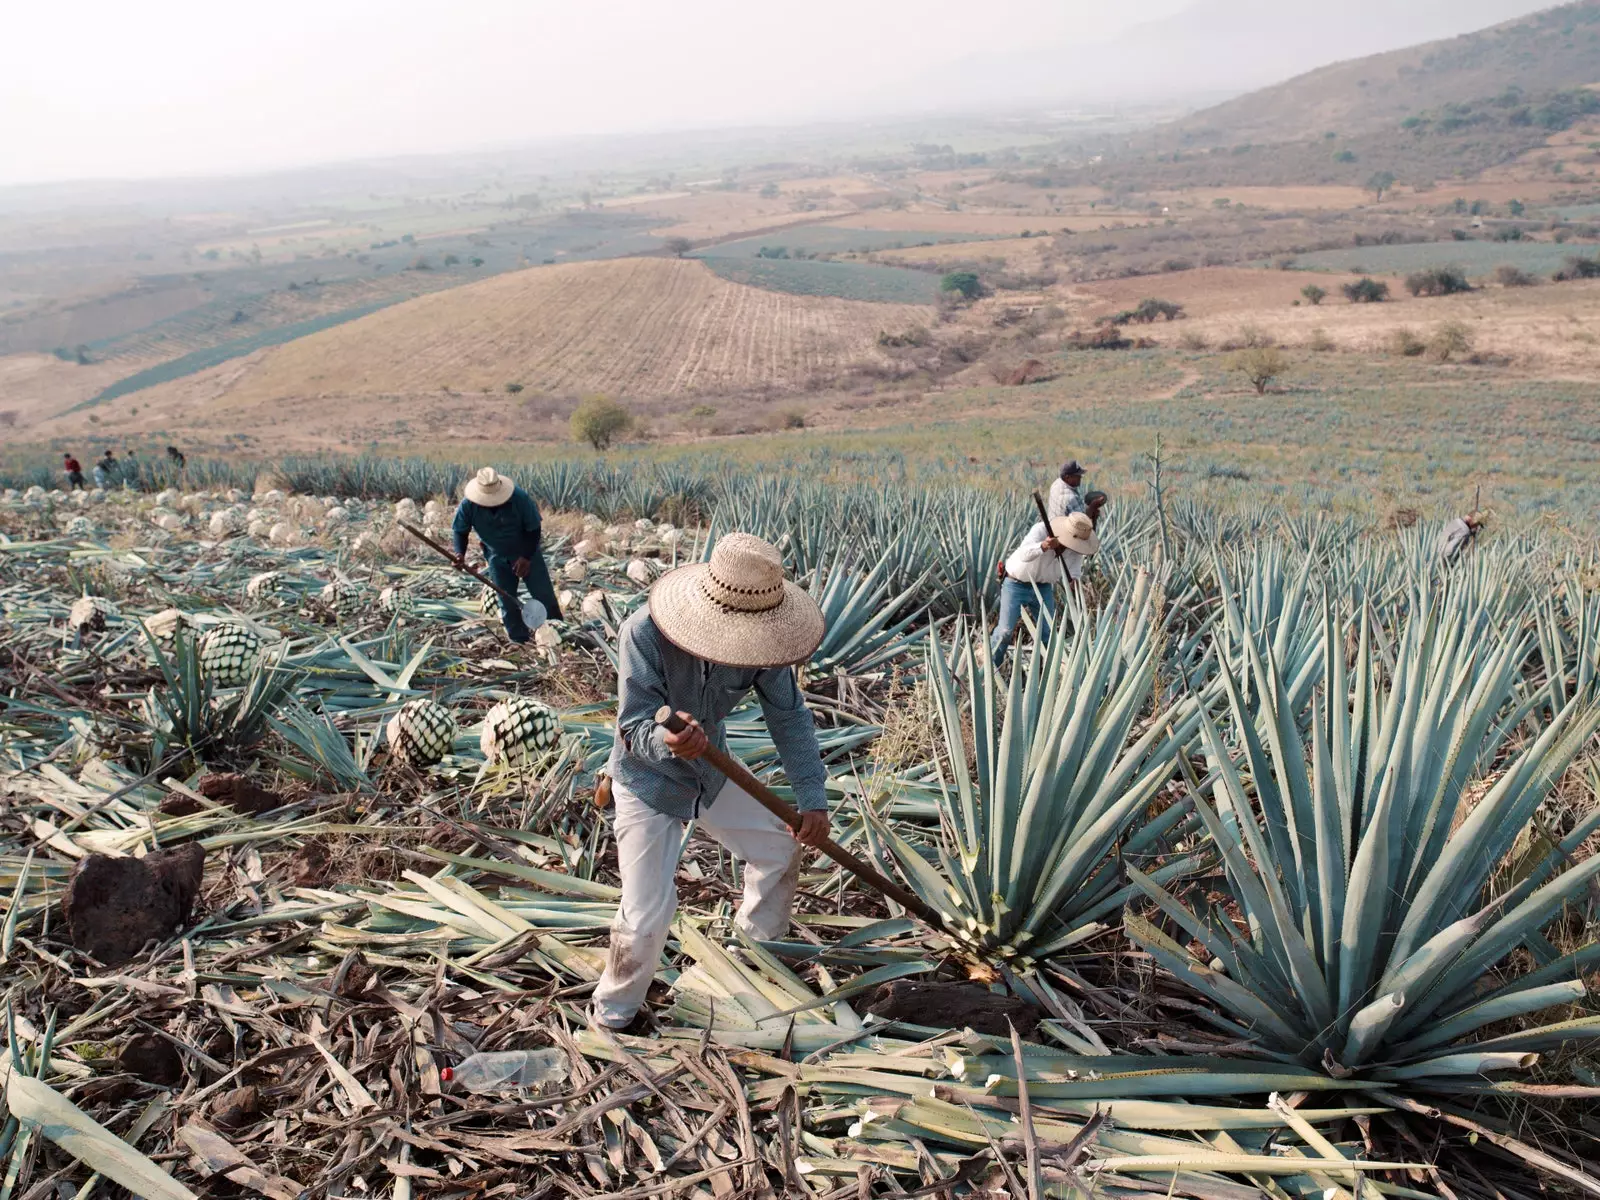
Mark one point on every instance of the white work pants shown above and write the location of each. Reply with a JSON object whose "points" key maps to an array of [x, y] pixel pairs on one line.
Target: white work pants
{"points": [[648, 846]]}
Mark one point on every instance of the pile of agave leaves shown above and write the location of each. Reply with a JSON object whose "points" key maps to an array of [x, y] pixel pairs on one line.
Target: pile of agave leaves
{"points": [[1287, 839]]}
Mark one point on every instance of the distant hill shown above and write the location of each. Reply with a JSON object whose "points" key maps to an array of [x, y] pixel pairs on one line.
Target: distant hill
{"points": [[504, 357], [1549, 51], [1208, 49], [1444, 110]]}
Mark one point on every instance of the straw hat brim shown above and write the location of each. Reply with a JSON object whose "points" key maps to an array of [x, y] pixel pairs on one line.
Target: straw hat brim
{"points": [[492, 497], [692, 621], [1089, 545]]}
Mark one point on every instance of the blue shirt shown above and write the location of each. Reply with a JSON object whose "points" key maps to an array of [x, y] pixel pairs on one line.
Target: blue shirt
{"points": [[651, 671], [508, 531]]}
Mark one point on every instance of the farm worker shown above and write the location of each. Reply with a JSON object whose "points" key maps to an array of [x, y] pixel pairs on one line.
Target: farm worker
{"points": [[175, 456], [709, 635], [1043, 559], [506, 521], [1458, 536], [105, 469], [74, 470], [1067, 495]]}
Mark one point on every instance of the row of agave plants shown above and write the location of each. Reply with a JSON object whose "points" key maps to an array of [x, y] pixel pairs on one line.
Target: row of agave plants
{"points": [[1336, 824]]}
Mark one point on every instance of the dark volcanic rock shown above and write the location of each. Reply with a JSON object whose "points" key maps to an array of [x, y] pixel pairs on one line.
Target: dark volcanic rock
{"points": [[114, 906], [953, 1006], [153, 1059], [238, 792]]}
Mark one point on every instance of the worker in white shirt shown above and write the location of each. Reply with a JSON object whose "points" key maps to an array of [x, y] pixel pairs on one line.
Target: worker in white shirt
{"points": [[1045, 558]]}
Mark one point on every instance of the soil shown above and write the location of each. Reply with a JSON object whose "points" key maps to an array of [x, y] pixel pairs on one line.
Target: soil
{"points": [[114, 906], [238, 792], [953, 1006], [308, 867], [153, 1059], [1032, 371]]}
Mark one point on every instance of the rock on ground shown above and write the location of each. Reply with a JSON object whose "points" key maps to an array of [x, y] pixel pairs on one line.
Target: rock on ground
{"points": [[114, 906], [953, 1006], [238, 792]]}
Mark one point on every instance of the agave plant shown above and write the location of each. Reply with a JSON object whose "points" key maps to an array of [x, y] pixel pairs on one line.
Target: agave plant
{"points": [[866, 625], [188, 714], [1365, 921], [1029, 820]]}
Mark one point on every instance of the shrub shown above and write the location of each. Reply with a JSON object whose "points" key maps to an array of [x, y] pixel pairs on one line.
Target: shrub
{"points": [[1366, 291], [1579, 268], [1380, 183], [1194, 341], [513, 388], [1321, 342], [677, 246], [1507, 275], [963, 283], [599, 420], [1437, 281], [773, 252], [1149, 311], [913, 337], [794, 419], [1404, 343], [1260, 365], [1314, 294], [1450, 340]]}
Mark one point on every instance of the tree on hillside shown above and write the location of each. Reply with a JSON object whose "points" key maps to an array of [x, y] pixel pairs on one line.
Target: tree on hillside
{"points": [[677, 246], [1380, 183], [1366, 291], [965, 283], [600, 420], [1260, 365], [1314, 295]]}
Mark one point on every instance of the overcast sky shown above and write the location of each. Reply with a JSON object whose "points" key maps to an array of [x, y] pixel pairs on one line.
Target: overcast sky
{"points": [[108, 88]]}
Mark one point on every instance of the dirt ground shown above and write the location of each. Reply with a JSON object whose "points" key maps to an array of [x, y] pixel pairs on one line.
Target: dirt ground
{"points": [[36, 387], [703, 215]]}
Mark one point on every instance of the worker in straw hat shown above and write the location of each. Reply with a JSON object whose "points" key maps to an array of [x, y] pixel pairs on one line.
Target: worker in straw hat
{"points": [[710, 634], [506, 521], [1044, 558]]}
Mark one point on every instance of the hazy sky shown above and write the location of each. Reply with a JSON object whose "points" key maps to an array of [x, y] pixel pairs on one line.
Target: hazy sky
{"points": [[161, 87]]}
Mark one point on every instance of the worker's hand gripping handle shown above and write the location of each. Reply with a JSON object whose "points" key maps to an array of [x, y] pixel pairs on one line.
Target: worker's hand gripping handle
{"points": [[764, 796]]}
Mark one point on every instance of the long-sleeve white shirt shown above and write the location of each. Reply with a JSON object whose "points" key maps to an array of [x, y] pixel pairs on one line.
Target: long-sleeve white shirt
{"points": [[1030, 562]]}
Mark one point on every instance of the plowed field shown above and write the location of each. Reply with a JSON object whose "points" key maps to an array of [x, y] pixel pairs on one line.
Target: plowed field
{"points": [[645, 329]]}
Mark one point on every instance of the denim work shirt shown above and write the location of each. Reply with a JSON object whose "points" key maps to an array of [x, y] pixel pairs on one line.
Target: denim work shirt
{"points": [[508, 531], [651, 671]]}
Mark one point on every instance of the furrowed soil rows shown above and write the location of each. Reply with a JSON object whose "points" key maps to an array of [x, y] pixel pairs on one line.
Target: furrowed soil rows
{"points": [[631, 327]]}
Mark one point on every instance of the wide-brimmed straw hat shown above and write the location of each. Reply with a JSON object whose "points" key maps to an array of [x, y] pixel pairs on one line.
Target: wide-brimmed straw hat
{"points": [[489, 488], [737, 609], [1076, 532]]}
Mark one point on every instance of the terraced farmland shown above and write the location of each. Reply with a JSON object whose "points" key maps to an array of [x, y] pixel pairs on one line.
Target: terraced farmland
{"points": [[632, 327], [854, 281]]}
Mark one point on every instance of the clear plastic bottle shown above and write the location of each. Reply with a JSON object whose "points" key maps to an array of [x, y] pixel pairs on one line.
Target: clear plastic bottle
{"points": [[507, 1070]]}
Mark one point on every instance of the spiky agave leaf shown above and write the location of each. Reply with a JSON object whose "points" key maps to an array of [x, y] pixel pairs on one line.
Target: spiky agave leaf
{"points": [[1367, 927], [1056, 780], [866, 624]]}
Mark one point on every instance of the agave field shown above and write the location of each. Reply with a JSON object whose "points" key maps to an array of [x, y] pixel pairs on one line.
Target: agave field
{"points": [[1273, 874]]}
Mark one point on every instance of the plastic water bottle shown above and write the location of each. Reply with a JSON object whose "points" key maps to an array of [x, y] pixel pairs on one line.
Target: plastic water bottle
{"points": [[508, 1070]]}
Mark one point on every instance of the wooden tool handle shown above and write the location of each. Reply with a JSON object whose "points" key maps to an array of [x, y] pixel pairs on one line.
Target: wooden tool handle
{"points": [[473, 571], [1044, 515], [764, 796]]}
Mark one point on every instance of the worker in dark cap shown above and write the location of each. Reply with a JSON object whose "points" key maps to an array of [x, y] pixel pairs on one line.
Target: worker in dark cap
{"points": [[1067, 495]]}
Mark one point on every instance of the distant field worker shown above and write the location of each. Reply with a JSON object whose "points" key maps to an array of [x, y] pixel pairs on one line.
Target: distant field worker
{"points": [[74, 470], [175, 456], [1458, 536], [105, 470], [711, 634], [506, 520], [1067, 495], [1045, 558]]}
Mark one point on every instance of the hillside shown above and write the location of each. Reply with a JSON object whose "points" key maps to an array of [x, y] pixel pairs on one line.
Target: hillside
{"points": [[1549, 51], [517, 348]]}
